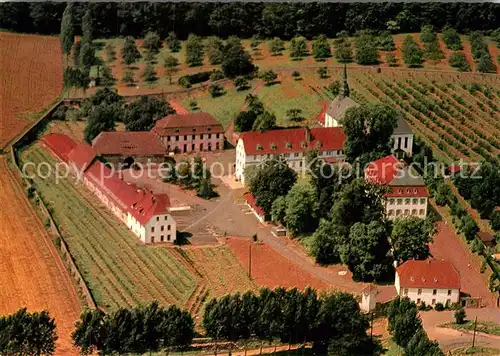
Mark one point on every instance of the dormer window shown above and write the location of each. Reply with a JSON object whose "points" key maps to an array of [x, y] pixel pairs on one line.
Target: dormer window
{"points": [[289, 145], [194, 130], [303, 144], [400, 190], [259, 147], [273, 146], [415, 190], [176, 130], [318, 144], [209, 129], [408, 190]]}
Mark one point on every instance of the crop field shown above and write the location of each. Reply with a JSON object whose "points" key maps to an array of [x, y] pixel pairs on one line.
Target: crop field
{"points": [[261, 57], [456, 113], [31, 77], [121, 271], [31, 273]]}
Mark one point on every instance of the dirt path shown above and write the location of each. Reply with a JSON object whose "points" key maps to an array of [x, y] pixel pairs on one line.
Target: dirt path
{"points": [[450, 338], [31, 272], [449, 246]]}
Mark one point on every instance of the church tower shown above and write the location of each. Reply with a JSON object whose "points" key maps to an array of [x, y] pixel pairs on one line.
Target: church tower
{"points": [[344, 86]]}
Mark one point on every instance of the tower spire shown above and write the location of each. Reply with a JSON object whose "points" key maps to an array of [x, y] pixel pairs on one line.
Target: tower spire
{"points": [[344, 86]]}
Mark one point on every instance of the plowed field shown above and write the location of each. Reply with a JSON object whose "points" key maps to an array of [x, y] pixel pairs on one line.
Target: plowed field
{"points": [[31, 78], [31, 273]]}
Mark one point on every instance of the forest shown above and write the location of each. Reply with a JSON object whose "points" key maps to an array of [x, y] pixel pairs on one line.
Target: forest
{"points": [[284, 20]]}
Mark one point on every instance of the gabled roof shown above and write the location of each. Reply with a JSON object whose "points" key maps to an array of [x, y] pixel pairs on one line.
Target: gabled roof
{"points": [[428, 274], [81, 156], [293, 140], [60, 144], [402, 127], [192, 123], [128, 143], [383, 170], [339, 106]]}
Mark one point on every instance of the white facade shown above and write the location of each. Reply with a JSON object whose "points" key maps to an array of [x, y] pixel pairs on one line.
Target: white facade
{"points": [[403, 142], [396, 208], [295, 160], [330, 121], [430, 296]]}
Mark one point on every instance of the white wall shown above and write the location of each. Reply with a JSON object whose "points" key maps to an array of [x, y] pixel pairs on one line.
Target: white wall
{"points": [[330, 121], [403, 142], [400, 207], [160, 226], [427, 295]]}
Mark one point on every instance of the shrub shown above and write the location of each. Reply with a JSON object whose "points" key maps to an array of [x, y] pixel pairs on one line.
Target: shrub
{"points": [[296, 75], [215, 90], [439, 306], [460, 315], [216, 75], [452, 39], [189, 79], [391, 60], [128, 78]]}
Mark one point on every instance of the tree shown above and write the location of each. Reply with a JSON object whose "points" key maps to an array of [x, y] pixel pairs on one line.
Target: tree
{"points": [[343, 50], [420, 345], [194, 51], [142, 113], [366, 49], [107, 76], [403, 320], [149, 74], [278, 209], [458, 61], [103, 117], [241, 83], [236, 60], [87, 54], [334, 87], [296, 75], [110, 52], [273, 179], [87, 25], [170, 65], [386, 42], [412, 54], [269, 76], [326, 242], [214, 48], [265, 121], [67, 34], [205, 189], [24, 333], [485, 64], [130, 53], [173, 44], [298, 48], [367, 251], [152, 42], [76, 78], [128, 78], [495, 220], [90, 333], [300, 214], [452, 39], [294, 114], [411, 238], [460, 315], [321, 48], [215, 90], [368, 129], [276, 46], [322, 72]]}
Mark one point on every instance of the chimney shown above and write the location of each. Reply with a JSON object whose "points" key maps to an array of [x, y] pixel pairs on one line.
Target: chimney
{"points": [[308, 134]]}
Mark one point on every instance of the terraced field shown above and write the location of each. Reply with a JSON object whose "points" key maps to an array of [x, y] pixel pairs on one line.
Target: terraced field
{"points": [[119, 270]]}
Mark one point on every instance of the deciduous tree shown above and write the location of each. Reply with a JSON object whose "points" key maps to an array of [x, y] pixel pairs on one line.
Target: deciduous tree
{"points": [[194, 51], [411, 238], [67, 34], [142, 113], [130, 53]]}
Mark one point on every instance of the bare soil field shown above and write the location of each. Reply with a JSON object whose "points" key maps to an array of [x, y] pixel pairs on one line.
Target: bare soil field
{"points": [[31, 77], [269, 268], [31, 273]]}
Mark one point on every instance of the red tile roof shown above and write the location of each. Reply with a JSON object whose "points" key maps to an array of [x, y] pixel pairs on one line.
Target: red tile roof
{"points": [[128, 143], [407, 192], [60, 145], [81, 156], [428, 274], [253, 203], [193, 123], [293, 140], [383, 170]]}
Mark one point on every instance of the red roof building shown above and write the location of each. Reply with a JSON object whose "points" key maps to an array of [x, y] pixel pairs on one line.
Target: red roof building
{"points": [[407, 196], [129, 143], [252, 204], [60, 145], [193, 132], [81, 156]]}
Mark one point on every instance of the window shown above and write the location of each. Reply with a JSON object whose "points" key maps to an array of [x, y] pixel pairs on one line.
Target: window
{"points": [[407, 211], [217, 135], [407, 190], [162, 228], [161, 238], [415, 201], [433, 301], [400, 190], [201, 136], [192, 147], [185, 137], [434, 291], [152, 239], [209, 135], [398, 212], [152, 229], [209, 146], [406, 291], [201, 146], [209, 129], [166, 218], [449, 291], [185, 148], [391, 201], [168, 237], [168, 227], [157, 218], [419, 292], [421, 212], [448, 301], [406, 142], [407, 201], [422, 200], [400, 201], [391, 212], [217, 145], [418, 301], [414, 212], [177, 138]]}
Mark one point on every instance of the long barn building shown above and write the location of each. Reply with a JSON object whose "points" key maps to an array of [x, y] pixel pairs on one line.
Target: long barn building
{"points": [[146, 214]]}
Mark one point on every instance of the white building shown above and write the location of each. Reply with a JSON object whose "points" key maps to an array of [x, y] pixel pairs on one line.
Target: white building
{"points": [[146, 214], [255, 147], [402, 136], [428, 281], [408, 196]]}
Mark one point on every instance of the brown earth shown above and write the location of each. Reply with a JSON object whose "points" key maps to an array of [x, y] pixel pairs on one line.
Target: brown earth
{"points": [[31, 77], [31, 272]]}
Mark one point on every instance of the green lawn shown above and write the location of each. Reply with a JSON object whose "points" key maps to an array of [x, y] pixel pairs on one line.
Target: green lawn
{"points": [[486, 327], [119, 270]]}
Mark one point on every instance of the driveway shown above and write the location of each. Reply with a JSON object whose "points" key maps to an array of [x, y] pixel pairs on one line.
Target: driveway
{"points": [[449, 338]]}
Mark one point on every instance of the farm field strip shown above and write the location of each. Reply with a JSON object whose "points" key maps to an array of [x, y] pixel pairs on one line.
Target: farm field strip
{"points": [[134, 270], [31, 273]]}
